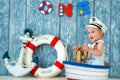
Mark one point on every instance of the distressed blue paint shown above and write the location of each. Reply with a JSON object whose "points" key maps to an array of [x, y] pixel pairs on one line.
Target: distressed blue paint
{"points": [[16, 26], [68, 30], [15, 16], [115, 39], [104, 10], [49, 19], [4, 31], [34, 22], [81, 32]]}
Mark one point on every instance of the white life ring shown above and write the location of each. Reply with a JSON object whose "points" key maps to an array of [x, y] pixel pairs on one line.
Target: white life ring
{"points": [[58, 65], [41, 7]]}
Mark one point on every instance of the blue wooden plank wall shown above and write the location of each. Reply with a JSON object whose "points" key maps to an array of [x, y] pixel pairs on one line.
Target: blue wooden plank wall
{"points": [[17, 15]]}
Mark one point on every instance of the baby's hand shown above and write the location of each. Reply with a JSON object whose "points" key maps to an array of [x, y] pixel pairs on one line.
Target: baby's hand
{"points": [[85, 47], [75, 47]]}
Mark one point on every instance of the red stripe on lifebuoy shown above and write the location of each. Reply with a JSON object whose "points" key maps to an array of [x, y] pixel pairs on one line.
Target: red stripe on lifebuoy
{"points": [[44, 2], [31, 46], [71, 79], [34, 70], [40, 8], [49, 6], [59, 65], [46, 12], [54, 41]]}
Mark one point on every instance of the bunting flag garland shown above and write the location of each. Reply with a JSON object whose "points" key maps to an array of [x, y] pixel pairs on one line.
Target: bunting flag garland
{"points": [[83, 8], [41, 7]]}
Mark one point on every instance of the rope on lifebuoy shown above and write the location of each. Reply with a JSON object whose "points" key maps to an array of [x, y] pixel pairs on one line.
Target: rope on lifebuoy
{"points": [[41, 7], [58, 66]]}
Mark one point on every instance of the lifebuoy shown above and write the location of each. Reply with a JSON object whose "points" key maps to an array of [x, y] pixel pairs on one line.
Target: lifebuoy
{"points": [[41, 7], [58, 65]]}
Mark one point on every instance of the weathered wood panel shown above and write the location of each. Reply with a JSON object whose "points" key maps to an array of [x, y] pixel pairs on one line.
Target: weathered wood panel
{"points": [[103, 13], [82, 22], [16, 16], [4, 31], [68, 29], [51, 26], [35, 23], [16, 27], [42, 25], [115, 39]]}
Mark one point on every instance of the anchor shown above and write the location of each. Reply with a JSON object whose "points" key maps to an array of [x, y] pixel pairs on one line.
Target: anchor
{"points": [[19, 68]]}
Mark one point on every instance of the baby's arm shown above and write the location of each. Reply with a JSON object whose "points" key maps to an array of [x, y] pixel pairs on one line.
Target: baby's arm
{"points": [[98, 51], [76, 47]]}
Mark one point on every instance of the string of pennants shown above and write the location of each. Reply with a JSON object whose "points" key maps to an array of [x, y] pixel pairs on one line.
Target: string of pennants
{"points": [[83, 8]]}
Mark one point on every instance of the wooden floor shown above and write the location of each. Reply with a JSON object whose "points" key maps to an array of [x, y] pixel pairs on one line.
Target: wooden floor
{"points": [[29, 78], [34, 78]]}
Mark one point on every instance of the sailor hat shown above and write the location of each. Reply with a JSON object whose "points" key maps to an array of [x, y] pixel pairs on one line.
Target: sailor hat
{"points": [[96, 23]]}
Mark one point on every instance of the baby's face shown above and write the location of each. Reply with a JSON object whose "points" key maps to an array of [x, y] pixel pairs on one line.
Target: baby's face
{"points": [[94, 34]]}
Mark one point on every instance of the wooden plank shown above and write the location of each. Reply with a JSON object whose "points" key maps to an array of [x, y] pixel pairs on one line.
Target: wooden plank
{"points": [[83, 21], [43, 24], [102, 12], [71, 30], [68, 29], [51, 26], [115, 39], [17, 25], [4, 27], [34, 21]]}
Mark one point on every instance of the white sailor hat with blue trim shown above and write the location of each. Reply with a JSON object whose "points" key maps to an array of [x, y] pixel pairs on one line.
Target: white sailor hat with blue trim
{"points": [[96, 23]]}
